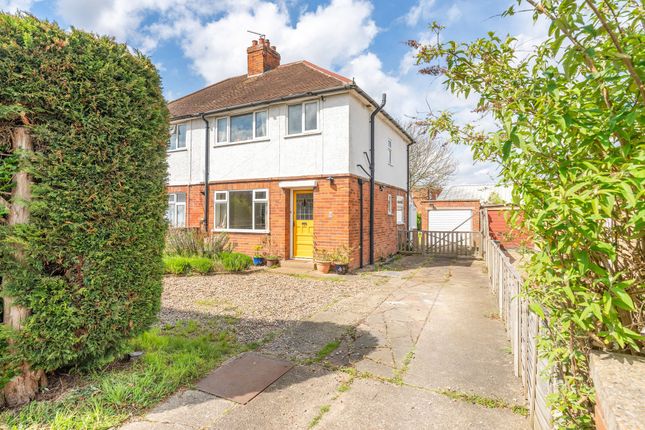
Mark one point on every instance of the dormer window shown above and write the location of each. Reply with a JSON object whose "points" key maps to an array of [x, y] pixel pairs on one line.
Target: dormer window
{"points": [[177, 137], [302, 118]]}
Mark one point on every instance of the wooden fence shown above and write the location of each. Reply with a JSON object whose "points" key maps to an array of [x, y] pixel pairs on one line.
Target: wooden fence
{"points": [[448, 243], [523, 328]]}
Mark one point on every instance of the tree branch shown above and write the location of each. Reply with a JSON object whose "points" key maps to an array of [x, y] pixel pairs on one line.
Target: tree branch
{"points": [[624, 57]]}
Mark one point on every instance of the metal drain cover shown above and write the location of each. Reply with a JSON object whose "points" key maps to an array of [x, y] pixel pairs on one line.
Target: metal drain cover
{"points": [[244, 377]]}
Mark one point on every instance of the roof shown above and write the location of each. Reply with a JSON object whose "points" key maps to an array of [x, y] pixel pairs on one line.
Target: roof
{"points": [[285, 82], [483, 193]]}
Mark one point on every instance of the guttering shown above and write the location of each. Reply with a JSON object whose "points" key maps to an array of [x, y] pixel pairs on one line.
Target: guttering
{"points": [[339, 88], [207, 148], [408, 186], [372, 169]]}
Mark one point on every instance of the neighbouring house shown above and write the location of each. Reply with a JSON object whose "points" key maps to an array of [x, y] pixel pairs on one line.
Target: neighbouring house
{"points": [[284, 150]]}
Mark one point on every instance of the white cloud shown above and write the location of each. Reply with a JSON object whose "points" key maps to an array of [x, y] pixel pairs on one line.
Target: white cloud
{"points": [[13, 6], [454, 13], [420, 11]]}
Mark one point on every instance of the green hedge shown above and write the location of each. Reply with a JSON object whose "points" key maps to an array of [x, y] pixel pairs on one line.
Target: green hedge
{"points": [[93, 248], [177, 265]]}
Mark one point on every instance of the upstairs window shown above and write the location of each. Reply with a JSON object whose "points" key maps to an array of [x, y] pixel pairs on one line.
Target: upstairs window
{"points": [[389, 152], [302, 118], [176, 213], [242, 128], [177, 137]]}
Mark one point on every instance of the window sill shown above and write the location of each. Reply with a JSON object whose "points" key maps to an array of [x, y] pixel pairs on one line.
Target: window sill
{"points": [[239, 230], [176, 150], [242, 142], [306, 133]]}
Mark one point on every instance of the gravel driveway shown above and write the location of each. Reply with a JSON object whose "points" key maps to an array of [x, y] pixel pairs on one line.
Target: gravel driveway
{"points": [[254, 304]]}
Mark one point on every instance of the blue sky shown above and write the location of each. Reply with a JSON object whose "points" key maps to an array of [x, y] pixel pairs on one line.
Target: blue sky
{"points": [[198, 42]]}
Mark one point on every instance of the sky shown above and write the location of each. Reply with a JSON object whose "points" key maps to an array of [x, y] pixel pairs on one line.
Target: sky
{"points": [[194, 43]]}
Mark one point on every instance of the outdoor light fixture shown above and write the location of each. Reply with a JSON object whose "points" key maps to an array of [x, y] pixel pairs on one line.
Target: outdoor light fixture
{"points": [[331, 180]]}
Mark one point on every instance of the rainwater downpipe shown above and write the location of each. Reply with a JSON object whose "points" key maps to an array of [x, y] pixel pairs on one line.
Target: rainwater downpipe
{"points": [[372, 169], [408, 227], [360, 216], [206, 168]]}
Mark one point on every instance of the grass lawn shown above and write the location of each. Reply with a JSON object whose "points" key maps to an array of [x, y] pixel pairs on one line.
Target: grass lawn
{"points": [[174, 357]]}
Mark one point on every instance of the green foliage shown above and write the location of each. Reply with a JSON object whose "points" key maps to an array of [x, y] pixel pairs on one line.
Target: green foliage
{"points": [[570, 141], [201, 265], [189, 242], [235, 262], [176, 265], [90, 270], [104, 399]]}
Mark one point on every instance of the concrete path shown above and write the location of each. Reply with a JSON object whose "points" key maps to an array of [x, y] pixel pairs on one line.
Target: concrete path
{"points": [[422, 349]]}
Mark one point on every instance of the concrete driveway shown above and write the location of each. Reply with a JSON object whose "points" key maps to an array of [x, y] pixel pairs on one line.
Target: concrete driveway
{"points": [[423, 348]]}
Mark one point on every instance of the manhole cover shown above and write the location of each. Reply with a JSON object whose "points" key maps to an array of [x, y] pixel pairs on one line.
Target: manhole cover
{"points": [[244, 377]]}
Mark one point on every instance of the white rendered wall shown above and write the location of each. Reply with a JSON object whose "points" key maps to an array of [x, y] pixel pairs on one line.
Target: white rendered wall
{"points": [[325, 152], [394, 174]]}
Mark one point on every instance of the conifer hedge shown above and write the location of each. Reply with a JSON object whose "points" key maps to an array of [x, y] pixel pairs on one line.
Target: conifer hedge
{"points": [[92, 270]]}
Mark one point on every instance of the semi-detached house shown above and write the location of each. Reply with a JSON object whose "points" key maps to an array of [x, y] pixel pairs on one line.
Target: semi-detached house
{"points": [[284, 150]]}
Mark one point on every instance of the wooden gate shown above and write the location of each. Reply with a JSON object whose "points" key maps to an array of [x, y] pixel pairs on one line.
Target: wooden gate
{"points": [[444, 243]]}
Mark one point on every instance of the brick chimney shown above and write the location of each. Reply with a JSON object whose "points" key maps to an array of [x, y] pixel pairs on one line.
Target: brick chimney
{"points": [[261, 57]]}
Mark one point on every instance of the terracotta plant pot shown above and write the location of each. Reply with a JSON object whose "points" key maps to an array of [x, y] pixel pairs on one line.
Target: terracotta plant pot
{"points": [[323, 266], [272, 262]]}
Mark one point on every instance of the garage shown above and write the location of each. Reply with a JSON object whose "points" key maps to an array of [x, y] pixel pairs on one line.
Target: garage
{"points": [[450, 220]]}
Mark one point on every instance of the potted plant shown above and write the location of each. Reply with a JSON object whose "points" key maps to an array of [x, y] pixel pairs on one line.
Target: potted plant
{"points": [[341, 257], [272, 260], [323, 260], [270, 255], [258, 257]]}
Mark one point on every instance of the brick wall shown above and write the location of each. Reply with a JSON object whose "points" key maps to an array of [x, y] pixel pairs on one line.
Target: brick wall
{"points": [[499, 228], [336, 215]]}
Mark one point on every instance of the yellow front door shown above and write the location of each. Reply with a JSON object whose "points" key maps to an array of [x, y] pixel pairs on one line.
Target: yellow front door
{"points": [[303, 224]]}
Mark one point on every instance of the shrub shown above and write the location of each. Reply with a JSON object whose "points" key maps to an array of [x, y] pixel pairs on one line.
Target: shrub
{"points": [[201, 265], [190, 242], [90, 266], [175, 265], [235, 262]]}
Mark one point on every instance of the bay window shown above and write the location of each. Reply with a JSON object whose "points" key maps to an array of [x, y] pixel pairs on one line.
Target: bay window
{"points": [[242, 128], [302, 118], [176, 213], [242, 210]]}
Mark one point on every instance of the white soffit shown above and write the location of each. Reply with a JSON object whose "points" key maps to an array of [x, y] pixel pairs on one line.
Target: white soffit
{"points": [[310, 183]]}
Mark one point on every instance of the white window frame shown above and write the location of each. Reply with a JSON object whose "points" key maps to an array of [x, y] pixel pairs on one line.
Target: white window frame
{"points": [[175, 203], [228, 128], [254, 200], [389, 152], [389, 204], [400, 210], [173, 135], [302, 119]]}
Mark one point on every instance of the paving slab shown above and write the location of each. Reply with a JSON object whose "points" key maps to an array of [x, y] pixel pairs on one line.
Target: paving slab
{"points": [[463, 348], [375, 405], [290, 403]]}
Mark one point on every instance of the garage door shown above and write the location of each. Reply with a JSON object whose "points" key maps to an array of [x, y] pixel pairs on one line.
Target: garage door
{"points": [[450, 220]]}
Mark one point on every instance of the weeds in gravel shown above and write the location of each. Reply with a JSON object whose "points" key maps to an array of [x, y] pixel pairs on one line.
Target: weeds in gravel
{"points": [[323, 352], [323, 410], [173, 357], [487, 402]]}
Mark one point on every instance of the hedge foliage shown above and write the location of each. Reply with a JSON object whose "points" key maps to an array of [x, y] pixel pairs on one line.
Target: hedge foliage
{"points": [[93, 247]]}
